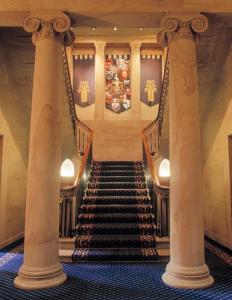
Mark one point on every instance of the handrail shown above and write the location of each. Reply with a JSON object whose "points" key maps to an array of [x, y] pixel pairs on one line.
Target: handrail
{"points": [[76, 122], [70, 195], [164, 90], [148, 156], [82, 167], [70, 97], [151, 139], [84, 161], [152, 171], [151, 134]]}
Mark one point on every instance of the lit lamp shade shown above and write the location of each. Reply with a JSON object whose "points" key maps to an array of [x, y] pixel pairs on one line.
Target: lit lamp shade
{"points": [[67, 172], [164, 168], [163, 172]]}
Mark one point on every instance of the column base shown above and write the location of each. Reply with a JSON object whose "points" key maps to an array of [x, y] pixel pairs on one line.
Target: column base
{"points": [[187, 278], [30, 278]]}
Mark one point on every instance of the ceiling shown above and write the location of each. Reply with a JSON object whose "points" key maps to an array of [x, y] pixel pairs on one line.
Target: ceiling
{"points": [[212, 49]]}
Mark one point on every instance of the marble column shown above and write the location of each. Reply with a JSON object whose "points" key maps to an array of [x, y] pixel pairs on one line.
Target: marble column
{"points": [[100, 80], [41, 267], [135, 80], [187, 268]]}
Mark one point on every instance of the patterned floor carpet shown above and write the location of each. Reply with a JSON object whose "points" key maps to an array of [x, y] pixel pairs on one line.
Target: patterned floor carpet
{"points": [[118, 281]]}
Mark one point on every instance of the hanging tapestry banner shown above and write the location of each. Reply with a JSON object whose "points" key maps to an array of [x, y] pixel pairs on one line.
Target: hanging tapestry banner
{"points": [[84, 79], [117, 83], [150, 79]]}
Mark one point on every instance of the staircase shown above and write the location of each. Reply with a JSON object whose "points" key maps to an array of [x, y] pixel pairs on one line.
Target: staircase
{"points": [[116, 221]]}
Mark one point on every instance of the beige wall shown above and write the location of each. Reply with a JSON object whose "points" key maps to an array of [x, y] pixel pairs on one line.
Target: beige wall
{"points": [[216, 184], [164, 139], [15, 98], [16, 77]]}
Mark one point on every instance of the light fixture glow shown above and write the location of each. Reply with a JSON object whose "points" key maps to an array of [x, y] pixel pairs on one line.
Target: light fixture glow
{"points": [[115, 28], [93, 28], [67, 168], [164, 168], [141, 28]]}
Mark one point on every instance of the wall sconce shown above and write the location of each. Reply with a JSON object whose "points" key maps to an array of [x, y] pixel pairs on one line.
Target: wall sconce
{"points": [[164, 168], [67, 173]]}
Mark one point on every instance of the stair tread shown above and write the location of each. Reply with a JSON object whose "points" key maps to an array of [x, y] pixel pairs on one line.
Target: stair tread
{"points": [[140, 170], [112, 254], [116, 205], [118, 182], [117, 196], [110, 189], [117, 186], [117, 237], [117, 225], [115, 177], [131, 250], [116, 215], [118, 161]]}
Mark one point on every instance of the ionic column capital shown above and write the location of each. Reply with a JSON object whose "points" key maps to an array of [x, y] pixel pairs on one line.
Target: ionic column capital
{"points": [[181, 26], [135, 45], [100, 45], [49, 26]]}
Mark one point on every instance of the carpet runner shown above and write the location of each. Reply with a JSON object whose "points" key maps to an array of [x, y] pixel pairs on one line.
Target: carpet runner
{"points": [[116, 222]]}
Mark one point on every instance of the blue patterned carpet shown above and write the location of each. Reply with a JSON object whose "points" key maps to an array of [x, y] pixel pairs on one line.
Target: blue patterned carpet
{"points": [[121, 281]]}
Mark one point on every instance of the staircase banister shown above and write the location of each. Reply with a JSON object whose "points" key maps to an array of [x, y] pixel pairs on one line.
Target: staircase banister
{"points": [[75, 120], [148, 156], [152, 167], [84, 160], [75, 186], [159, 119]]}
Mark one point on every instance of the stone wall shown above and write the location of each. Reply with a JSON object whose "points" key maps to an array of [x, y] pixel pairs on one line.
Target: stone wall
{"points": [[16, 77], [216, 176], [117, 136], [15, 103]]}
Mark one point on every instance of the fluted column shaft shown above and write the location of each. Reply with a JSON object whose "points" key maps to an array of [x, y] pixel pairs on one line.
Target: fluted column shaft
{"points": [[135, 80], [41, 267], [187, 267], [99, 80]]}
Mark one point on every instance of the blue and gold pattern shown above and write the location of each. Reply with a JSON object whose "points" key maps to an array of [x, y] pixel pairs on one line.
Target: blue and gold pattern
{"points": [[121, 281]]}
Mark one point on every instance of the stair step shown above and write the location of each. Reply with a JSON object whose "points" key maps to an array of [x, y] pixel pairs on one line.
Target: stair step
{"points": [[162, 242], [164, 255], [116, 208], [117, 185], [105, 163], [116, 218], [117, 192], [117, 173], [118, 167], [117, 228], [115, 241], [135, 254], [117, 179], [117, 200]]}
